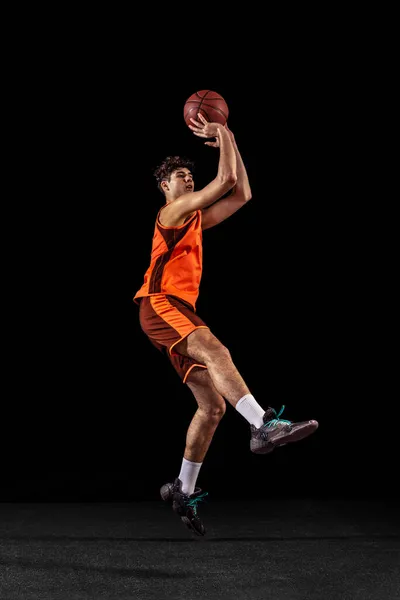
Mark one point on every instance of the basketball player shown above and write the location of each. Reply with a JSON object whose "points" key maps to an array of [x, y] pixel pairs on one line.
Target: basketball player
{"points": [[168, 315]]}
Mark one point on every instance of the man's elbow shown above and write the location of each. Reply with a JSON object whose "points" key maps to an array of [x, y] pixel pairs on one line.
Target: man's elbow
{"points": [[227, 181], [230, 180], [247, 195]]}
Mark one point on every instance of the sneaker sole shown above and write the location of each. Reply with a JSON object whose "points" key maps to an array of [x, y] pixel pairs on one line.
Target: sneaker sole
{"points": [[292, 436], [188, 524]]}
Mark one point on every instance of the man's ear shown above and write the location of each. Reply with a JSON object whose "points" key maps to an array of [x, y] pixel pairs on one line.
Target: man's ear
{"points": [[164, 185]]}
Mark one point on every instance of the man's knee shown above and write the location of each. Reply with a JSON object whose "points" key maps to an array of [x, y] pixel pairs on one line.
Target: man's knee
{"points": [[211, 404], [220, 410], [214, 412]]}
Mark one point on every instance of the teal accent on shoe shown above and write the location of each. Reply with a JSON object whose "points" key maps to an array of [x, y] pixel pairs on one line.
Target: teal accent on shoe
{"points": [[193, 502], [273, 422]]}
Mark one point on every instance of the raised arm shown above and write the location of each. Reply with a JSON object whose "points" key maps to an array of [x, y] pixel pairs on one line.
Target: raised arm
{"points": [[224, 181], [240, 194]]}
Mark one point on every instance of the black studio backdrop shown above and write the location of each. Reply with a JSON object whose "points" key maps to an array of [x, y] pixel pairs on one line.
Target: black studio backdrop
{"points": [[97, 413]]}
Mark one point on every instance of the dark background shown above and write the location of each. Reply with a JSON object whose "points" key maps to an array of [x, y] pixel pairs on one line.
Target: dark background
{"points": [[92, 411]]}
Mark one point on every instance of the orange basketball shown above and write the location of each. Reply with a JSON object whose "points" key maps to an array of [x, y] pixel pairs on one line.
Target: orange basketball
{"points": [[208, 103]]}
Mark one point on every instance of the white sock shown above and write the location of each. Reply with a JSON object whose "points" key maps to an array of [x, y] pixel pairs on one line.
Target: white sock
{"points": [[188, 475], [251, 410]]}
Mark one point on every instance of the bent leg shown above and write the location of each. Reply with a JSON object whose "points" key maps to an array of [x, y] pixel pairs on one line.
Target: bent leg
{"points": [[202, 346], [211, 409]]}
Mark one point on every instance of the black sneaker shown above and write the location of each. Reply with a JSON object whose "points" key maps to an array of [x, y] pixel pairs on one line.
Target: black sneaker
{"points": [[185, 506], [278, 432]]}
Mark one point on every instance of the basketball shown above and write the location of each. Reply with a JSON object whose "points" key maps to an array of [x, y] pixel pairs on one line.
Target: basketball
{"points": [[208, 103]]}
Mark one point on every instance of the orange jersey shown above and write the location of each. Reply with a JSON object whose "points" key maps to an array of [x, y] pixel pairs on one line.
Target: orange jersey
{"points": [[176, 261]]}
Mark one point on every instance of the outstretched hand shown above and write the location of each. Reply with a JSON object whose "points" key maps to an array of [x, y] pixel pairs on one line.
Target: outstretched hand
{"points": [[204, 129]]}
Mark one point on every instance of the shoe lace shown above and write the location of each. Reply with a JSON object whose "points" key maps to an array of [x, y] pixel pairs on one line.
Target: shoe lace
{"points": [[194, 501], [273, 422]]}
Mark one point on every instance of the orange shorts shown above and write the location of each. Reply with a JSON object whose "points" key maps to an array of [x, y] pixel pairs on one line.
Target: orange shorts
{"points": [[166, 320]]}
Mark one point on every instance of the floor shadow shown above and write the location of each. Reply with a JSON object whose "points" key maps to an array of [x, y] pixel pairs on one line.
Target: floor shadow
{"points": [[49, 565]]}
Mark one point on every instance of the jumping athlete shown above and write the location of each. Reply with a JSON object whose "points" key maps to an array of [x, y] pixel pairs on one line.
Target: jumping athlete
{"points": [[168, 317]]}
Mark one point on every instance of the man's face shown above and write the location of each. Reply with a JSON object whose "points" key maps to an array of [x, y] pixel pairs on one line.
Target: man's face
{"points": [[181, 182]]}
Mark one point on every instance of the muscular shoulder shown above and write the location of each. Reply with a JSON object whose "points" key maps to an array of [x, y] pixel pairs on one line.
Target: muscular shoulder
{"points": [[169, 217]]}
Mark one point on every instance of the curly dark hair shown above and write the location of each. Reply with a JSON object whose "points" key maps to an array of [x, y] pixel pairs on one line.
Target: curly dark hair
{"points": [[169, 164]]}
